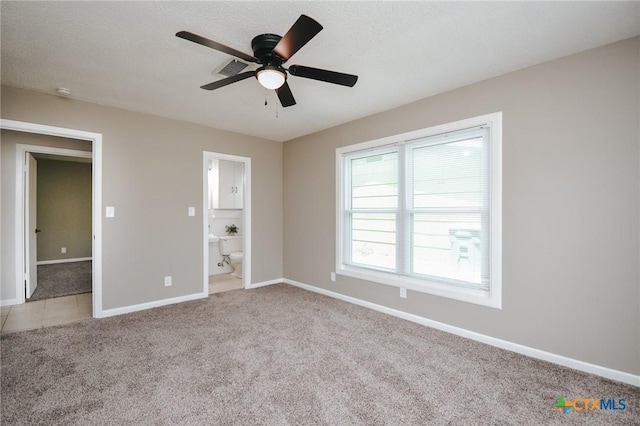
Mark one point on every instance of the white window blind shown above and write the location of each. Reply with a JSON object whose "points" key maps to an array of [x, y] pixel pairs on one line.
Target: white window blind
{"points": [[373, 210], [450, 207]]}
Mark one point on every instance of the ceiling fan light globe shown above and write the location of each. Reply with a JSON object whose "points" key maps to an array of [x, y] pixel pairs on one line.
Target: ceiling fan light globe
{"points": [[271, 78]]}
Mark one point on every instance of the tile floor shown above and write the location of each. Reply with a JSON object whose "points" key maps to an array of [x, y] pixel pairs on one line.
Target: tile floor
{"points": [[223, 282], [46, 313], [64, 310]]}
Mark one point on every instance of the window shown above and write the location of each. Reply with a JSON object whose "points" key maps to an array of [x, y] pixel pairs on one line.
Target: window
{"points": [[423, 210]]}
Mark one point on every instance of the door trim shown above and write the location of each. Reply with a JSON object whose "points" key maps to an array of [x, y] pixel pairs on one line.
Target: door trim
{"points": [[246, 216], [96, 154]]}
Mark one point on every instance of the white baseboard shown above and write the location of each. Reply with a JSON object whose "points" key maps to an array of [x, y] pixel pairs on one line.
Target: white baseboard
{"points": [[598, 370], [264, 283], [8, 302], [51, 262], [149, 305], [158, 303]]}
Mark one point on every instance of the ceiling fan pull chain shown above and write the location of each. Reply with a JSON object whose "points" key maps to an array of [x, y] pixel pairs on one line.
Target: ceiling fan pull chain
{"points": [[265, 97]]}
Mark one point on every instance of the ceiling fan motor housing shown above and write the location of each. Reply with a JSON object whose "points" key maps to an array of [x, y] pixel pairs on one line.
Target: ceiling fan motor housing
{"points": [[262, 47]]}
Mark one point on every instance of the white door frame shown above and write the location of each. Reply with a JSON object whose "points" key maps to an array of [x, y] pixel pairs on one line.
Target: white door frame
{"points": [[246, 215], [96, 142]]}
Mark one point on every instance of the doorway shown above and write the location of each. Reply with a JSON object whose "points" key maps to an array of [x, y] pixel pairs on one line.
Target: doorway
{"points": [[226, 222], [59, 225], [48, 310], [22, 264]]}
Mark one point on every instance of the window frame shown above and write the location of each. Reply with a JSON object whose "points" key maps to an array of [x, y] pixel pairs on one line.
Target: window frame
{"points": [[491, 297]]}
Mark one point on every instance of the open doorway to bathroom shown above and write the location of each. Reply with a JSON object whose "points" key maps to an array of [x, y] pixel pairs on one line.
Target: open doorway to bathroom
{"points": [[227, 223]]}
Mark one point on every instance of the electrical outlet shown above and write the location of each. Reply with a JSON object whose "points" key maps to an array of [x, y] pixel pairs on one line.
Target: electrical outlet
{"points": [[110, 211], [403, 292], [333, 277], [63, 249], [167, 281], [191, 211]]}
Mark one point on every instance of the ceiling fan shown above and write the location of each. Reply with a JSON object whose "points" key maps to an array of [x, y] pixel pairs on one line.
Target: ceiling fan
{"points": [[271, 51]]}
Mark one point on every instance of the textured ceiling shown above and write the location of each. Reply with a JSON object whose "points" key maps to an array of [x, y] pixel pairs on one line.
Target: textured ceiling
{"points": [[125, 54]]}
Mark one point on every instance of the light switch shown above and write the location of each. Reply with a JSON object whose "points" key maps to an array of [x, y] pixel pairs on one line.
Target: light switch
{"points": [[192, 211], [111, 211]]}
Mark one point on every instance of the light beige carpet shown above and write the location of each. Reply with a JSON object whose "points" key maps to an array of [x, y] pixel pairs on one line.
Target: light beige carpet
{"points": [[279, 355]]}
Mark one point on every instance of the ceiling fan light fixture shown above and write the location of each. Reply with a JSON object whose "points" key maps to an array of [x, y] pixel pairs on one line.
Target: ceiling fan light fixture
{"points": [[271, 77]]}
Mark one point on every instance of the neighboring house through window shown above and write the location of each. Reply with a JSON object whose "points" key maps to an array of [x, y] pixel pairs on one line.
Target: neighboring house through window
{"points": [[422, 210]]}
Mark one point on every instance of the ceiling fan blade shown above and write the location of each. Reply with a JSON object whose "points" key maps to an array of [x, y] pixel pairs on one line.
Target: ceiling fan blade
{"points": [[226, 81], [215, 45], [323, 75], [303, 30], [285, 95]]}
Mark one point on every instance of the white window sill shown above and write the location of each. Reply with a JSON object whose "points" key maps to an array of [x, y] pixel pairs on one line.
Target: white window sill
{"points": [[463, 294]]}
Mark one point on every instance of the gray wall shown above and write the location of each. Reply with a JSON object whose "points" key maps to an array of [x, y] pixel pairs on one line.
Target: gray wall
{"points": [[152, 171], [571, 208], [9, 139], [64, 209]]}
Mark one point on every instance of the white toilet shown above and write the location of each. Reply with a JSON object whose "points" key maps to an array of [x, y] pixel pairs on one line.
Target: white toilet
{"points": [[232, 246]]}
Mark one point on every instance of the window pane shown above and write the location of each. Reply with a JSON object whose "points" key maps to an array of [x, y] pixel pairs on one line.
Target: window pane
{"points": [[448, 246], [374, 181], [448, 175], [373, 238]]}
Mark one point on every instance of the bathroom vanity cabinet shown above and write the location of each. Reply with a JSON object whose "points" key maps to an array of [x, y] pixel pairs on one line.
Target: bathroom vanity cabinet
{"points": [[230, 184]]}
